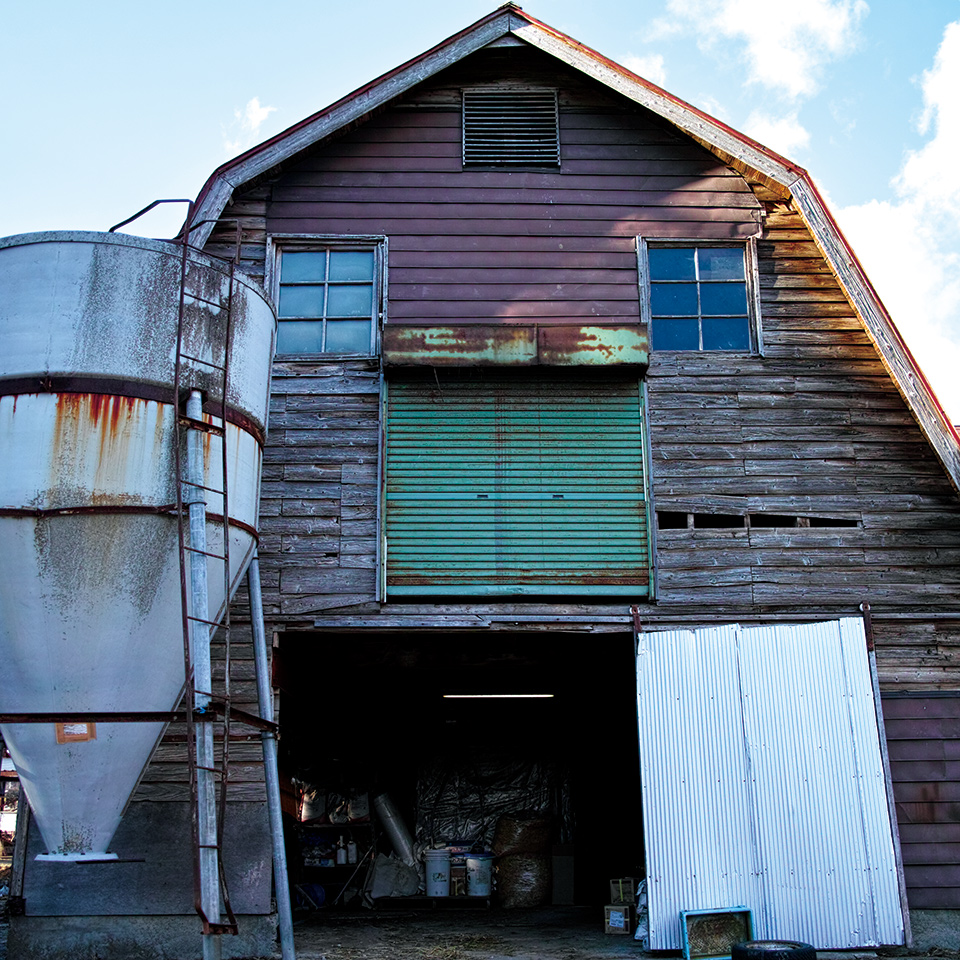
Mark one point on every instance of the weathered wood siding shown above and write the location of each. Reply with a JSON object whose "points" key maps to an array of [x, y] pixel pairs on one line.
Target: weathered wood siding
{"points": [[476, 245], [923, 737], [814, 428], [318, 543], [166, 777]]}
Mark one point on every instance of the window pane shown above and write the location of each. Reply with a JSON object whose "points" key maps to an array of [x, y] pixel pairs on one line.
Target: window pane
{"points": [[671, 263], [350, 301], [348, 336], [304, 301], [302, 265], [351, 264], [721, 263], [299, 336], [673, 299], [723, 298], [676, 335], [726, 333]]}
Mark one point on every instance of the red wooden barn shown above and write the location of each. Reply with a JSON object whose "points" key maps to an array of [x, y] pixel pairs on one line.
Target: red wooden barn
{"points": [[563, 363]]}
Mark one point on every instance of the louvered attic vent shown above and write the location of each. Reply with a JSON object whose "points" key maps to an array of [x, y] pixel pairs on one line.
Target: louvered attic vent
{"points": [[511, 126]]}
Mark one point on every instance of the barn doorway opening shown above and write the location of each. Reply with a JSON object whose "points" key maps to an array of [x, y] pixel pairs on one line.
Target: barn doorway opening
{"points": [[462, 732]]}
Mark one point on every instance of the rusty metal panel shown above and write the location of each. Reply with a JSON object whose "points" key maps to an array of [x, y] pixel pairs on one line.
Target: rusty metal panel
{"points": [[509, 486], [764, 785], [482, 344], [510, 345], [563, 345]]}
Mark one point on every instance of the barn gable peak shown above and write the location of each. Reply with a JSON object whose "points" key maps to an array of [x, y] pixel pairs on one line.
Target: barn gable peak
{"points": [[510, 25]]}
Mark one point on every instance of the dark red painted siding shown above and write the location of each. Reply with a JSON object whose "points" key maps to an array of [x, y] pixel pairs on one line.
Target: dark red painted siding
{"points": [[923, 738], [545, 244]]}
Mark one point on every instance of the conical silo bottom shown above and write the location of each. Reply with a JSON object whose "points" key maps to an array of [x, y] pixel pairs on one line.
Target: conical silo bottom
{"points": [[92, 631]]}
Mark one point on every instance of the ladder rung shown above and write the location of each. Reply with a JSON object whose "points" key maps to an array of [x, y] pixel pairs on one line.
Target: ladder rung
{"points": [[200, 486], [215, 556], [196, 298], [201, 425], [206, 363], [212, 623]]}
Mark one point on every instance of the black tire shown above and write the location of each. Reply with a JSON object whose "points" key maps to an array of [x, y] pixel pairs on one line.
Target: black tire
{"points": [[773, 950]]}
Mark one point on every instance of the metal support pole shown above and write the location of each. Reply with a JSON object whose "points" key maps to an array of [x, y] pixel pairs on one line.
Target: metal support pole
{"points": [[271, 774], [200, 633]]}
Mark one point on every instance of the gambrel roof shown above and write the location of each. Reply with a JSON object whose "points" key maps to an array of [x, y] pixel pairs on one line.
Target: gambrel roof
{"points": [[754, 161]]}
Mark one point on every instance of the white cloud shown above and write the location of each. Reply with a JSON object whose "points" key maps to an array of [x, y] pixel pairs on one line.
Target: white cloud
{"points": [[787, 43], [910, 247], [650, 68], [785, 134], [247, 123]]}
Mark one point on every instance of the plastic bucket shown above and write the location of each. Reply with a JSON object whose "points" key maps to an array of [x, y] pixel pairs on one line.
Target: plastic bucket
{"points": [[479, 874], [437, 863]]}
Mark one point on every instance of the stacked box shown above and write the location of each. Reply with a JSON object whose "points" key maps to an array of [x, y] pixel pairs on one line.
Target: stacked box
{"points": [[623, 890], [620, 918]]}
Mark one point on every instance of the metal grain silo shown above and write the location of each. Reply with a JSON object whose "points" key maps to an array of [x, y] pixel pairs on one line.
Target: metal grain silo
{"points": [[90, 602]]}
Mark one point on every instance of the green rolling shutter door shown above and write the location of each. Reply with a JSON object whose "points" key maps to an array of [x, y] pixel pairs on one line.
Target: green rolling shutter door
{"points": [[507, 486]]}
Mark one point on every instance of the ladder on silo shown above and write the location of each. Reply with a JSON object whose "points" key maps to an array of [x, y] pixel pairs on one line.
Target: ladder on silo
{"points": [[192, 429], [190, 424]]}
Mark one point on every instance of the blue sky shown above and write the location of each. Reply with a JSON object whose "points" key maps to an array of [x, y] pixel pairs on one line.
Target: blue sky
{"points": [[111, 105]]}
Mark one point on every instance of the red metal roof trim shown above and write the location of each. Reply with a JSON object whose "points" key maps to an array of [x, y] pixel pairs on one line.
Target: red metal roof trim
{"points": [[894, 329]]}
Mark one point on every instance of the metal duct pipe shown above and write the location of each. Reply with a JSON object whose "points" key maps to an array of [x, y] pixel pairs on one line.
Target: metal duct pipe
{"points": [[200, 633], [271, 774]]}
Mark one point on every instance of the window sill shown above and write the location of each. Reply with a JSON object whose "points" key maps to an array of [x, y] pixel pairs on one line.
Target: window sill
{"points": [[319, 357]]}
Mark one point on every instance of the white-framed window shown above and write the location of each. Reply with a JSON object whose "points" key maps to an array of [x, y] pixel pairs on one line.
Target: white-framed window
{"points": [[329, 294], [700, 295]]}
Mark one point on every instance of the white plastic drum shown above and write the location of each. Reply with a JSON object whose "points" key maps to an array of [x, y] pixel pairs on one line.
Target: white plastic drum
{"points": [[437, 865], [479, 874]]}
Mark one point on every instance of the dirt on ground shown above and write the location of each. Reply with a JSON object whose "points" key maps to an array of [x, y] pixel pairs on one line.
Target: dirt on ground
{"points": [[548, 933], [568, 933]]}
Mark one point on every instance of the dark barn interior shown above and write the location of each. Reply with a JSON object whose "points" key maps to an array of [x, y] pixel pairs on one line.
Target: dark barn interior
{"points": [[426, 720]]}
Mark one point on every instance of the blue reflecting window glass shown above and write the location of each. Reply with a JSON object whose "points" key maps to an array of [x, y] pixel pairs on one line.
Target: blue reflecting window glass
{"points": [[719, 299], [726, 333], [326, 300], [304, 265], [351, 265], [672, 263], [305, 301], [350, 301], [673, 299], [676, 334], [699, 298], [348, 336], [299, 336], [720, 263]]}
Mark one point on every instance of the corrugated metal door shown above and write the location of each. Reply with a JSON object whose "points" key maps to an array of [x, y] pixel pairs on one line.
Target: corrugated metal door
{"points": [[763, 783], [503, 485]]}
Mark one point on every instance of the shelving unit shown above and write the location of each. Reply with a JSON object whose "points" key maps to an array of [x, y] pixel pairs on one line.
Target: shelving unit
{"points": [[318, 847]]}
